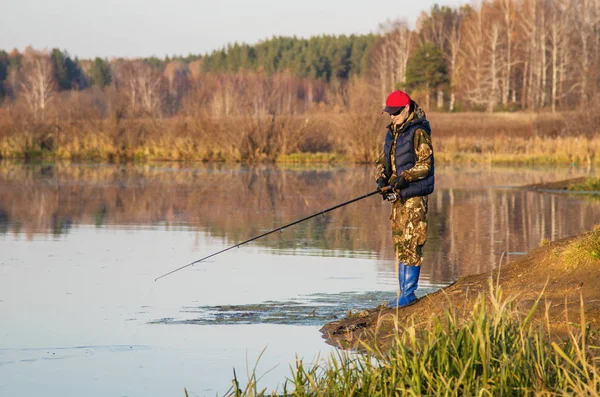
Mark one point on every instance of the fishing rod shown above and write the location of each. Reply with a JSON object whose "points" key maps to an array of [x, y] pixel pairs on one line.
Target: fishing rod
{"points": [[280, 229]]}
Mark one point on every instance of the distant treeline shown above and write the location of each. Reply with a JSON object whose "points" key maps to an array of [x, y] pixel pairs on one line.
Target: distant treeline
{"points": [[500, 55], [323, 57], [287, 96]]}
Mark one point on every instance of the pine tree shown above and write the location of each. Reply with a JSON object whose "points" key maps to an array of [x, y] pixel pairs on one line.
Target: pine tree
{"points": [[319, 57], [100, 74], [3, 70], [66, 71], [426, 70]]}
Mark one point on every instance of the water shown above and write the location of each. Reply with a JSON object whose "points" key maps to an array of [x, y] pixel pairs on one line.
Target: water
{"points": [[81, 245]]}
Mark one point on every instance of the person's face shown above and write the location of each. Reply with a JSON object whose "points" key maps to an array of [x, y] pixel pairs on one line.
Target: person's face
{"points": [[396, 116]]}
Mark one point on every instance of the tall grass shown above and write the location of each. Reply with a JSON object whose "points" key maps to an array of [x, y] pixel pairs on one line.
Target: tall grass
{"points": [[518, 150], [495, 350], [277, 139]]}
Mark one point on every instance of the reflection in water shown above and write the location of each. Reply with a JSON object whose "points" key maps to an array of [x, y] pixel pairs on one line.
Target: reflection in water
{"points": [[474, 229], [80, 246], [474, 219]]}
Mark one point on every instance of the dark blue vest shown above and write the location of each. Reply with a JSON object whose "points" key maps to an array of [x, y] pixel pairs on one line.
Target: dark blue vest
{"points": [[406, 158]]}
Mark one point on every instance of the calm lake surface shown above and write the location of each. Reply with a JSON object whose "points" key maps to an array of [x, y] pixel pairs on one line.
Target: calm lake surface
{"points": [[81, 245]]}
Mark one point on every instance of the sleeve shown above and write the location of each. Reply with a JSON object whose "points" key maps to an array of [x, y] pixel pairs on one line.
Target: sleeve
{"points": [[424, 152], [380, 166]]}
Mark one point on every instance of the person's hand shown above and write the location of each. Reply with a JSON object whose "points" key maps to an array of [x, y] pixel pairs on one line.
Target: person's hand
{"points": [[399, 183], [381, 183], [383, 188]]}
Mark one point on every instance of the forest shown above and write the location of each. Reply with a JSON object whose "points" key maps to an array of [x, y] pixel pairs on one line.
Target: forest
{"points": [[288, 95]]}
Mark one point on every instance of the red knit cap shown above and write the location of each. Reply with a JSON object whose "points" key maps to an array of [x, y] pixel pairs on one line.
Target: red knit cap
{"points": [[396, 101]]}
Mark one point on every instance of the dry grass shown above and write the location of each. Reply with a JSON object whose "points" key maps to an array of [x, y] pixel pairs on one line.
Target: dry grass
{"points": [[583, 251], [519, 150], [493, 351], [351, 133], [483, 125], [589, 185]]}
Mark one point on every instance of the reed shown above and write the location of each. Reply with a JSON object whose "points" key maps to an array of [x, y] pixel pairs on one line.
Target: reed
{"points": [[352, 135], [576, 150], [495, 350]]}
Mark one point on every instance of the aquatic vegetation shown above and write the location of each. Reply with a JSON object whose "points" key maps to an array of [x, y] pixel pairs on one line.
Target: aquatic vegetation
{"points": [[310, 310], [491, 351], [589, 185]]}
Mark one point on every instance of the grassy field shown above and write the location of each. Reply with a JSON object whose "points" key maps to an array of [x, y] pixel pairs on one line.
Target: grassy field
{"points": [[498, 138]]}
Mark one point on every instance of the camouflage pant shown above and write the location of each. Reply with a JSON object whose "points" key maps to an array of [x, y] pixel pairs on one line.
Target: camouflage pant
{"points": [[409, 229]]}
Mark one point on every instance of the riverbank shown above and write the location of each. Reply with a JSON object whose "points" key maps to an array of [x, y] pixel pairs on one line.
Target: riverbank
{"points": [[319, 137], [582, 184], [520, 328], [452, 150], [564, 274], [530, 327]]}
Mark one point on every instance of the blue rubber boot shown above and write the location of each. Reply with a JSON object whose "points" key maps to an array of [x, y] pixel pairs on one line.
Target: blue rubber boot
{"points": [[408, 278]]}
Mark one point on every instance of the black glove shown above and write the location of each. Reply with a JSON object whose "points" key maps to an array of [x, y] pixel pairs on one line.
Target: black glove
{"points": [[399, 183], [381, 183], [384, 188]]}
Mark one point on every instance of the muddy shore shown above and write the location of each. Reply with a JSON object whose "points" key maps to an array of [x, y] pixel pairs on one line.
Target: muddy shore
{"points": [[558, 185], [561, 274]]}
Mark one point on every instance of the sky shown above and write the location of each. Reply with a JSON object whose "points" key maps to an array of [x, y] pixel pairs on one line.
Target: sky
{"points": [[140, 28]]}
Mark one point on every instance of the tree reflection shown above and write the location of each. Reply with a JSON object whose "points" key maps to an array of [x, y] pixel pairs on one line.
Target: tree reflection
{"points": [[472, 225]]}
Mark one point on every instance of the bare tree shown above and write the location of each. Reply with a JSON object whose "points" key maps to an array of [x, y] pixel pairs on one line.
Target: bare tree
{"points": [[508, 12], [151, 89], [542, 51], [436, 26], [559, 47], [125, 83], [473, 56], [390, 55], [380, 61], [494, 36], [37, 83], [142, 86], [195, 68], [441, 26], [533, 27], [454, 44], [585, 31], [222, 100]]}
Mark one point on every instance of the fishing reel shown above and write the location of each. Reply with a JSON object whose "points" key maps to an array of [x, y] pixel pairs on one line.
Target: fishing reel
{"points": [[391, 197], [388, 194]]}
